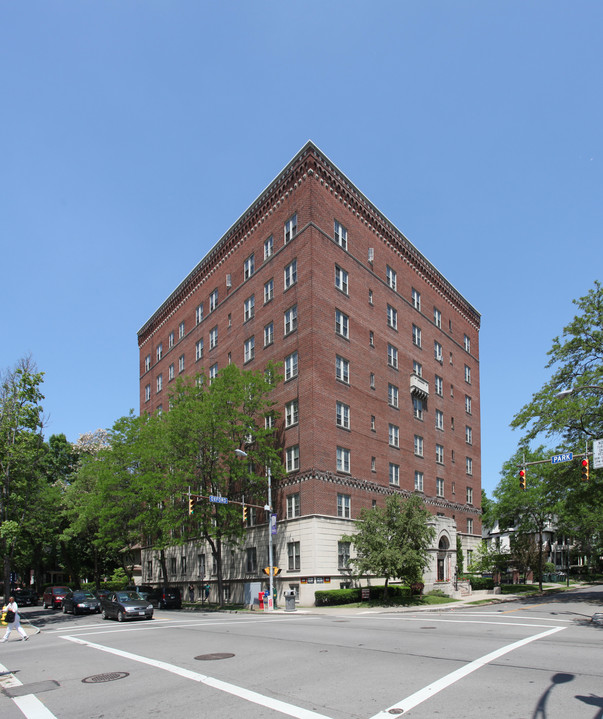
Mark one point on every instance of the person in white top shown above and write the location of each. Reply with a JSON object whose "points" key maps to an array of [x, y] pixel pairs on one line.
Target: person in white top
{"points": [[15, 624]]}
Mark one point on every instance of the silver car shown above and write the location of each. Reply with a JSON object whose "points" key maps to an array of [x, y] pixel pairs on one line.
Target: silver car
{"points": [[126, 605]]}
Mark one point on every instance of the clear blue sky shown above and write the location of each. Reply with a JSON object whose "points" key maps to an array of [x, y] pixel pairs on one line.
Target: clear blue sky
{"points": [[134, 133]]}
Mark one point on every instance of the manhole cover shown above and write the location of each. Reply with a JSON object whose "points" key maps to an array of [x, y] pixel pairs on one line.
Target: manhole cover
{"points": [[427, 627], [396, 711], [109, 677], [211, 657]]}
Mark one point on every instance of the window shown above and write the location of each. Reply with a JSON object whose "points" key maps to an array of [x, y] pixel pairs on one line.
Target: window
{"points": [[370, 297], [418, 446], [213, 300], [417, 405], [467, 343], [293, 506], [373, 423], [341, 235], [201, 564], [291, 366], [147, 392], [290, 320], [439, 386], [292, 458], [468, 465], [290, 274], [469, 495], [373, 464], [199, 314], [372, 380], [290, 228], [416, 335], [467, 374], [182, 564], [343, 459], [343, 555], [269, 334], [199, 350], [181, 363], [438, 352], [341, 280], [159, 382], [213, 372], [343, 505], [342, 324], [416, 299], [467, 404], [391, 277], [469, 531], [269, 421], [181, 330], [172, 565], [468, 435], [249, 349], [147, 363], [268, 290], [418, 481], [170, 340], [213, 337], [251, 564], [439, 487], [392, 317], [342, 369], [268, 247], [439, 454], [248, 267], [394, 474], [392, 395], [417, 368], [437, 317], [371, 338], [439, 419], [293, 556], [392, 356], [394, 435], [291, 413], [248, 308], [343, 415], [159, 351]]}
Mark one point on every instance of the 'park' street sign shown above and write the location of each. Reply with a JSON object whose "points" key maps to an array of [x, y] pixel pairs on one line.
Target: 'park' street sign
{"points": [[566, 457]]}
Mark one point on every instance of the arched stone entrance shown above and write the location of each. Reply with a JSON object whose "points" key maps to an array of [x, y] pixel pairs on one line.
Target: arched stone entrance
{"points": [[443, 568]]}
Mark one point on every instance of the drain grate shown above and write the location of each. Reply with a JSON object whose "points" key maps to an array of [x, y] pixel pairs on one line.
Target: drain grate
{"points": [[212, 657], [108, 677]]}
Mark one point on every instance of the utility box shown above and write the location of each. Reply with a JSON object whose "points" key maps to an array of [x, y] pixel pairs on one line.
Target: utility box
{"points": [[289, 600]]}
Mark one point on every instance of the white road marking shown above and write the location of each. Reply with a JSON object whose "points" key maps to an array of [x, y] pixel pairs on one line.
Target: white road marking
{"points": [[29, 704]]}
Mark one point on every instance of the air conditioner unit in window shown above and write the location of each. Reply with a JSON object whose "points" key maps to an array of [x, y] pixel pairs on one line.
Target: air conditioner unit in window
{"points": [[371, 254], [228, 281]]}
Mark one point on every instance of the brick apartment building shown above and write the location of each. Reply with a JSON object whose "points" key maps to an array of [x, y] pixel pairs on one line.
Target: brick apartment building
{"points": [[381, 374]]}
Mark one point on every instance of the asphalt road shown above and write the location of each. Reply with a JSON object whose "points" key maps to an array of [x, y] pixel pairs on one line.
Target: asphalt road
{"points": [[534, 659]]}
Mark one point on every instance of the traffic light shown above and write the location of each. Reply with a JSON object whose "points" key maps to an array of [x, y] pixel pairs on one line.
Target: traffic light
{"points": [[585, 470], [191, 504], [522, 479], [244, 514]]}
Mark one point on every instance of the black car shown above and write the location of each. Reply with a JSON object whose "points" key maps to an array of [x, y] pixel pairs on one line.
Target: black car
{"points": [[126, 605], [162, 597], [81, 602], [25, 598]]}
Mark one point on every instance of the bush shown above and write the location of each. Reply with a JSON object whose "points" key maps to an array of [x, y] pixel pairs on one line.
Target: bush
{"points": [[396, 594], [481, 583]]}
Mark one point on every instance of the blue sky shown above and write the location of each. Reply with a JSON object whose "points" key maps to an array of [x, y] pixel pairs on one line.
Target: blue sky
{"points": [[134, 133]]}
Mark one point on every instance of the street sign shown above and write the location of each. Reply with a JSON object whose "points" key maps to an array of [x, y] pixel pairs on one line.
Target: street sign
{"points": [[566, 457], [218, 500], [597, 453]]}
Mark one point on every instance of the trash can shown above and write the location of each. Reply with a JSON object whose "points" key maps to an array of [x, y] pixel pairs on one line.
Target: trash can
{"points": [[289, 600]]}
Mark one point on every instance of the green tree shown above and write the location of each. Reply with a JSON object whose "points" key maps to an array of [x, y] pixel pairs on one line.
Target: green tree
{"points": [[393, 541], [490, 560]]}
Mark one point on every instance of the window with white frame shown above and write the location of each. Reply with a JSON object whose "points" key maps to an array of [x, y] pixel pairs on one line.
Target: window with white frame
{"points": [[291, 366], [290, 320], [438, 352], [417, 368], [439, 454], [467, 374], [342, 324], [469, 495], [341, 280], [213, 372], [373, 423], [268, 290], [171, 372], [269, 334], [199, 314], [343, 555], [159, 382], [392, 317], [418, 445], [439, 487], [147, 392], [373, 464], [416, 336], [248, 267], [439, 386], [181, 330], [293, 557], [394, 474], [372, 380], [394, 435], [467, 343], [159, 351], [290, 275], [170, 340], [290, 228], [292, 458], [468, 434], [268, 247], [147, 363], [469, 530], [391, 277], [416, 299], [437, 317], [392, 356], [371, 338], [199, 350], [181, 363], [249, 349], [418, 481], [468, 465], [213, 300], [417, 405], [291, 413], [213, 337], [248, 308], [467, 404], [342, 369], [344, 505], [439, 419], [341, 235], [342, 412], [293, 505], [392, 395], [343, 459]]}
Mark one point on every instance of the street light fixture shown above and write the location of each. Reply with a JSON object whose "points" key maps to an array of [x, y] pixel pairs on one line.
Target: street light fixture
{"points": [[567, 392]]}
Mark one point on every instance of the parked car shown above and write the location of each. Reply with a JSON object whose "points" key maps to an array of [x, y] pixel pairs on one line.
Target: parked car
{"points": [[25, 597], [126, 605], [102, 593], [53, 597], [81, 602], [161, 597]]}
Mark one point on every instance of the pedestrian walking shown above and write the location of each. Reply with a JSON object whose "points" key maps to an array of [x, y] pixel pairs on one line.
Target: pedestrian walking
{"points": [[11, 616], [191, 593]]}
